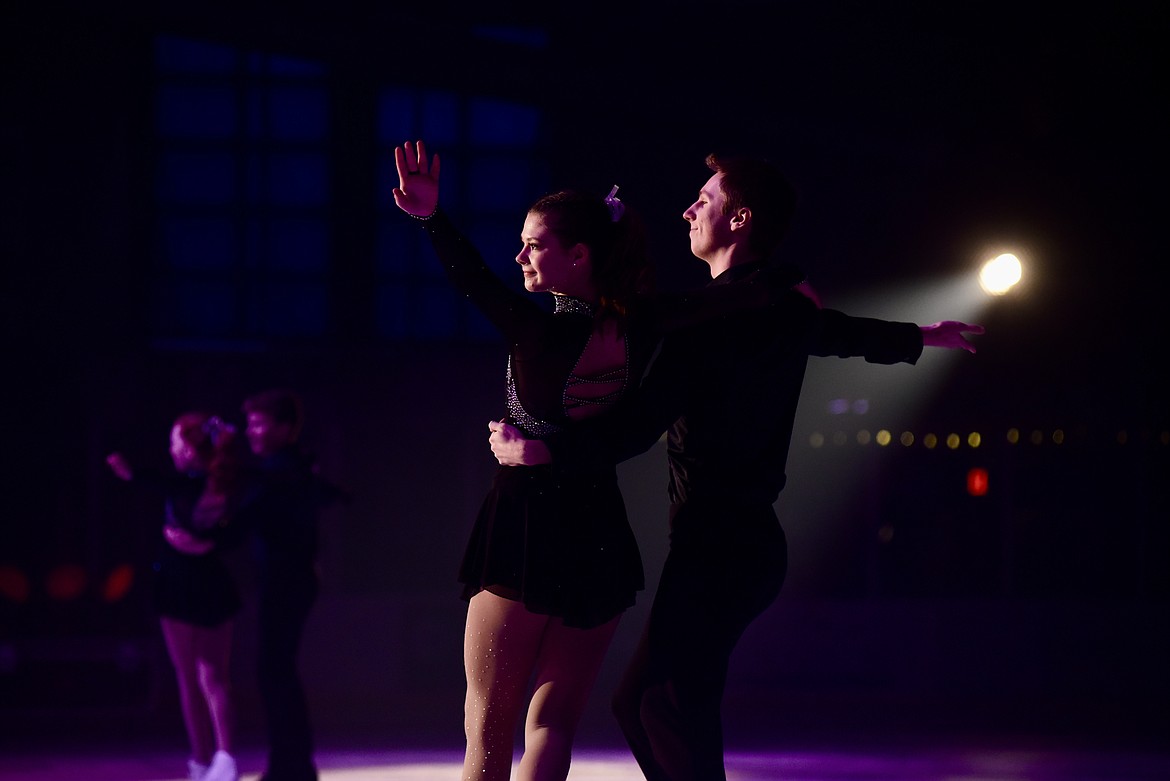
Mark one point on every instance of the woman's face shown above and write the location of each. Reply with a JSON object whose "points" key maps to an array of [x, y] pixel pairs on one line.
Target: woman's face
{"points": [[550, 268], [184, 456]]}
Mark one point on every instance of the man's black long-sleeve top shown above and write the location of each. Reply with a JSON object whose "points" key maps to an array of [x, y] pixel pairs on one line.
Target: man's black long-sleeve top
{"points": [[282, 501], [727, 393]]}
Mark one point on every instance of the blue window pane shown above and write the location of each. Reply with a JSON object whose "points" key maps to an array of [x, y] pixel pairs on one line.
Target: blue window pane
{"points": [[479, 328], [256, 116], [255, 243], [197, 112], [391, 317], [197, 178], [179, 55], [402, 247], [298, 245], [196, 308], [396, 116], [295, 309], [528, 37], [289, 66], [499, 241], [434, 312], [426, 313], [440, 120], [295, 180], [503, 185], [298, 114], [198, 244], [501, 124]]}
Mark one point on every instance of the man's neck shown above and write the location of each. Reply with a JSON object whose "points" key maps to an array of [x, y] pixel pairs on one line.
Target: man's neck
{"points": [[736, 255]]}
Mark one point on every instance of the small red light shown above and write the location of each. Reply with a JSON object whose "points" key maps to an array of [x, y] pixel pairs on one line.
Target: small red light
{"points": [[118, 583], [65, 582], [14, 584], [977, 481]]}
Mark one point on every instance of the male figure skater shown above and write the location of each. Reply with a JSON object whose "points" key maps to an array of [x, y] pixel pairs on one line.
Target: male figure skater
{"points": [[282, 511]]}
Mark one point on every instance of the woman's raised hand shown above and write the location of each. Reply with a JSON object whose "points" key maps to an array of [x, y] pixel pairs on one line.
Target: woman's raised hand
{"points": [[417, 192]]}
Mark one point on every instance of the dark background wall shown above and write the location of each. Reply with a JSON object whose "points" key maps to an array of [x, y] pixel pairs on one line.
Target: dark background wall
{"points": [[918, 140]]}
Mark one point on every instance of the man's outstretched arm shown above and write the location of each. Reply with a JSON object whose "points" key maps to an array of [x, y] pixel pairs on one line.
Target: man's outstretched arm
{"points": [[885, 341], [638, 423]]}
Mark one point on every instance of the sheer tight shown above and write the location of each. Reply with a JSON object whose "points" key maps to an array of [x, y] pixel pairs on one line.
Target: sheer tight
{"points": [[200, 656], [506, 646]]}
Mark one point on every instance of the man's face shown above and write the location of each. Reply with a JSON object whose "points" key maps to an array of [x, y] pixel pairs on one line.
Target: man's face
{"points": [[710, 227], [266, 435]]}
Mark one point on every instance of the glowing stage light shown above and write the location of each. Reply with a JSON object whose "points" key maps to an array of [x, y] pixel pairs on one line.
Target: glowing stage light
{"points": [[1000, 275]]}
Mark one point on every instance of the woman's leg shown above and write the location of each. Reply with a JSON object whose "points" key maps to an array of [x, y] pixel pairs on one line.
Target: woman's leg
{"points": [[500, 645], [565, 671], [213, 654], [180, 641]]}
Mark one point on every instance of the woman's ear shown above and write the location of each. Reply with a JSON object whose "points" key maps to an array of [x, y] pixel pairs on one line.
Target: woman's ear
{"points": [[580, 254]]}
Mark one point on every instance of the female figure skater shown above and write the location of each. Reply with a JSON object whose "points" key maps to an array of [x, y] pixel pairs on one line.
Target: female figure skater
{"points": [[552, 562], [195, 594]]}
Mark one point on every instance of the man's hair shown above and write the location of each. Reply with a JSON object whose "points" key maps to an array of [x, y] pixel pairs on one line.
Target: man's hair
{"points": [[281, 404], [758, 185]]}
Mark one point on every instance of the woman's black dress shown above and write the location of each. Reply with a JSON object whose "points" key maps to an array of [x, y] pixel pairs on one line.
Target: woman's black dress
{"points": [[558, 539]]}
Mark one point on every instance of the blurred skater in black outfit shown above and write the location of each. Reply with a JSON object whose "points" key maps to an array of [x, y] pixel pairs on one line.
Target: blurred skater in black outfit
{"points": [[281, 510], [195, 595]]}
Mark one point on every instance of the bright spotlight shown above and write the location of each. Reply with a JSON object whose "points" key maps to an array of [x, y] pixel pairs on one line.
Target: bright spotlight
{"points": [[998, 276]]}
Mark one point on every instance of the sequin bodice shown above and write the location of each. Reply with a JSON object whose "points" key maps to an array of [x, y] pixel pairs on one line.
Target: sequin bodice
{"points": [[520, 418], [584, 391]]}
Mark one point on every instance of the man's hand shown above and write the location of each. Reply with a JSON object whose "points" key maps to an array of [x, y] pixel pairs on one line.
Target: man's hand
{"points": [[949, 334], [512, 449]]}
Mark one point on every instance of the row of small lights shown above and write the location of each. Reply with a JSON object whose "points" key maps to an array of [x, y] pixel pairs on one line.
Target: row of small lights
{"points": [[66, 583], [954, 441]]}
